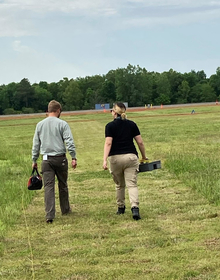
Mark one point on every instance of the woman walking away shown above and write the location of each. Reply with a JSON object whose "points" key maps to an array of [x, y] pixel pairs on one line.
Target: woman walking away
{"points": [[120, 150]]}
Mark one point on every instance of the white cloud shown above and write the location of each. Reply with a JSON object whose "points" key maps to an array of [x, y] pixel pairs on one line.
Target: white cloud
{"points": [[177, 18], [51, 39], [98, 5], [180, 3], [67, 6], [18, 47], [22, 18]]}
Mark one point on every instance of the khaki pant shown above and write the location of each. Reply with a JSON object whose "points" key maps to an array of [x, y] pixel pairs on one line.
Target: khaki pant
{"points": [[124, 170], [55, 166]]}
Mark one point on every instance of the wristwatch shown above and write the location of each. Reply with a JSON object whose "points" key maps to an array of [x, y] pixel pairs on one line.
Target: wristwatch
{"points": [[74, 158]]}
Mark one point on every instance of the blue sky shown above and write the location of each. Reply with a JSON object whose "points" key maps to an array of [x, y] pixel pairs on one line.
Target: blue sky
{"points": [[47, 40]]}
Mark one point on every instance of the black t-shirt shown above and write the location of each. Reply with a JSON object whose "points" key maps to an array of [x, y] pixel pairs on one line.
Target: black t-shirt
{"points": [[122, 132]]}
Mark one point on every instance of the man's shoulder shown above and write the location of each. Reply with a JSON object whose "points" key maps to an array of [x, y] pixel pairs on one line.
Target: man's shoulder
{"points": [[41, 122], [60, 120], [52, 120]]}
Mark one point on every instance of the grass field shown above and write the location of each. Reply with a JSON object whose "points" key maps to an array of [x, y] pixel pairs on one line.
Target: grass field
{"points": [[178, 235]]}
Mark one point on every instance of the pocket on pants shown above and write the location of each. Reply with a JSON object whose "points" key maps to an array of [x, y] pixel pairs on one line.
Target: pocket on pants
{"points": [[133, 157], [45, 166], [134, 162], [64, 164], [112, 160]]}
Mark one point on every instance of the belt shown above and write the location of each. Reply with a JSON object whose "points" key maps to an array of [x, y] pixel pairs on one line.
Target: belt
{"points": [[63, 155]]}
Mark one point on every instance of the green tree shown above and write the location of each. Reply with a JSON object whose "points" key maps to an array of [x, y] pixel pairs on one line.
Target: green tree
{"points": [[90, 85], [214, 81], [4, 99], [139, 86], [133, 84], [128, 85], [62, 85], [9, 91], [162, 99], [207, 93], [202, 92], [183, 92], [23, 97], [146, 86], [201, 76], [41, 99], [89, 99], [110, 76], [107, 92], [162, 91], [54, 89], [73, 97], [43, 84], [175, 80], [192, 78], [121, 92]]}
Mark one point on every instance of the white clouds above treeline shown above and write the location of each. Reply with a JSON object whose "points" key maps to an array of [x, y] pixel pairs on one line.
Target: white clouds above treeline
{"points": [[51, 39], [21, 18]]}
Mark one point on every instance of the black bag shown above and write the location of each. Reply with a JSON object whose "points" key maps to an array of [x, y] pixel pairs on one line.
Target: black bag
{"points": [[35, 181]]}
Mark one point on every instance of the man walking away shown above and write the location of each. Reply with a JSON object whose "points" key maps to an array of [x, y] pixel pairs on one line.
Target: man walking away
{"points": [[51, 139]]}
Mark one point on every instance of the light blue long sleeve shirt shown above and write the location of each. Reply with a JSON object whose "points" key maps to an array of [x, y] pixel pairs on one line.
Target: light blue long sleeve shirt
{"points": [[52, 137]]}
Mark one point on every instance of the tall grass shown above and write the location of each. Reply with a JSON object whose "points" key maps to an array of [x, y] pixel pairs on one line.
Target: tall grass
{"points": [[15, 166], [200, 172], [177, 237], [186, 144]]}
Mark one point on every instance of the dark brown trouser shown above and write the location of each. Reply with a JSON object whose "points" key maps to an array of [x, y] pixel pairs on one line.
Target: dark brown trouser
{"points": [[55, 166]]}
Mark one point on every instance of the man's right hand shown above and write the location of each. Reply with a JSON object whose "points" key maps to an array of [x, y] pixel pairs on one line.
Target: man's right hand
{"points": [[74, 163]]}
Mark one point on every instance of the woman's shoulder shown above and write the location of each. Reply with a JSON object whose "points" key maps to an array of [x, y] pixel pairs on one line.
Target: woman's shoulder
{"points": [[110, 123], [130, 122]]}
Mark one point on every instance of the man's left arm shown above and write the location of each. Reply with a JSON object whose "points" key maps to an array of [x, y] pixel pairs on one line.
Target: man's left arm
{"points": [[70, 145]]}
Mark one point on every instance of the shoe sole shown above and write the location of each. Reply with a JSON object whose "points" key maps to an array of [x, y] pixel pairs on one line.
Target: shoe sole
{"points": [[136, 218]]}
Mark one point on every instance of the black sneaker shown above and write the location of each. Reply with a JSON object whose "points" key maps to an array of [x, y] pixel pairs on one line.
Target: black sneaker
{"points": [[135, 213], [49, 221], [121, 210]]}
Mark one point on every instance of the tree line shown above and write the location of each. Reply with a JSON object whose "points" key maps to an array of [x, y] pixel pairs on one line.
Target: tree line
{"points": [[132, 84]]}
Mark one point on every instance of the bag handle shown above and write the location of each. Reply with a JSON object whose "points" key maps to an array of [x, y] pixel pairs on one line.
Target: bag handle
{"points": [[35, 169]]}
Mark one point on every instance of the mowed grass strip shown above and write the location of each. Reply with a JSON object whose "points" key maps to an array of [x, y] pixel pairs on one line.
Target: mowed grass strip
{"points": [[177, 237]]}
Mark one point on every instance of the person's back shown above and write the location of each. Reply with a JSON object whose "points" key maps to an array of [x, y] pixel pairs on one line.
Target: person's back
{"points": [[51, 132], [120, 150], [52, 137], [123, 133]]}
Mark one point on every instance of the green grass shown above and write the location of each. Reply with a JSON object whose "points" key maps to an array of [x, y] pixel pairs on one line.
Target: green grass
{"points": [[178, 235]]}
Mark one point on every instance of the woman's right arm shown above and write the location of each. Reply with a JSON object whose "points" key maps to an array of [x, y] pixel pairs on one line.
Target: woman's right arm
{"points": [[107, 148]]}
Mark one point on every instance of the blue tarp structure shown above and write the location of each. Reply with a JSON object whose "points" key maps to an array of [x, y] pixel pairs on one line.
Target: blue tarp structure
{"points": [[102, 106]]}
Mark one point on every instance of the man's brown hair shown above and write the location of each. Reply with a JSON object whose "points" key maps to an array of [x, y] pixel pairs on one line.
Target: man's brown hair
{"points": [[53, 106]]}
